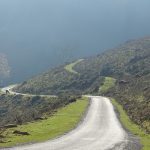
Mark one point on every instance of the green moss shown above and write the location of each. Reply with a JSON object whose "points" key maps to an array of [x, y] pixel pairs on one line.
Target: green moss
{"points": [[69, 67], [132, 127], [61, 122], [108, 83]]}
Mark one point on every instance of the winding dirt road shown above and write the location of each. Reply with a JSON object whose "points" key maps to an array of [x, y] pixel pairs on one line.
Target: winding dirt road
{"points": [[100, 130], [9, 89]]}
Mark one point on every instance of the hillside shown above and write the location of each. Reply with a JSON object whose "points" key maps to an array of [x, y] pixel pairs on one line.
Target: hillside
{"points": [[19, 109], [129, 64], [59, 81], [4, 67]]}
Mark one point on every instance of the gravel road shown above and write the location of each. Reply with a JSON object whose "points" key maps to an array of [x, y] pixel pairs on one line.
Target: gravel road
{"points": [[100, 130]]}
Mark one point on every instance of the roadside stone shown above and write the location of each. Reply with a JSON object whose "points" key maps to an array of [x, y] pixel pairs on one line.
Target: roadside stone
{"points": [[20, 132]]}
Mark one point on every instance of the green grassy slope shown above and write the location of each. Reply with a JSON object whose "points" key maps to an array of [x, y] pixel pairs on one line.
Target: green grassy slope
{"points": [[61, 122], [108, 84], [70, 67]]}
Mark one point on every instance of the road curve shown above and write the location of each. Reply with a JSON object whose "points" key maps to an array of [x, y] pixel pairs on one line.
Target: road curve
{"points": [[9, 88], [100, 130]]}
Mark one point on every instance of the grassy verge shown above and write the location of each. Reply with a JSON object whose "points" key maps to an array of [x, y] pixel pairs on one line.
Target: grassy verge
{"points": [[61, 122], [125, 120], [69, 67], [108, 83], [132, 127]]}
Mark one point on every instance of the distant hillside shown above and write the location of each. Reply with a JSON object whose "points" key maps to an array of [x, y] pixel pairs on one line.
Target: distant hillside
{"points": [[129, 64], [132, 58], [4, 68]]}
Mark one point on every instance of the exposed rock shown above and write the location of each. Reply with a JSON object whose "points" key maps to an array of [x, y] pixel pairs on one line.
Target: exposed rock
{"points": [[20, 132], [39, 118], [10, 126], [123, 82]]}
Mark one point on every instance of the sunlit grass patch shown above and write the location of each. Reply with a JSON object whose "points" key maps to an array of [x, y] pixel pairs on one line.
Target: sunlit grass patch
{"points": [[108, 83], [69, 67]]}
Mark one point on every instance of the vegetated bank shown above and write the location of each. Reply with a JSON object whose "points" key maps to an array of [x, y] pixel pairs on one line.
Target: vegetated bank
{"points": [[132, 127], [61, 121], [109, 83], [18, 109]]}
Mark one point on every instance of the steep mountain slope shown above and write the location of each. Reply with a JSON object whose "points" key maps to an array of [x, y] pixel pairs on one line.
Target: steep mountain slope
{"points": [[129, 64]]}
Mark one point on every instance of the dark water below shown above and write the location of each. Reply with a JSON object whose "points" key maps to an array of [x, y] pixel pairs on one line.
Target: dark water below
{"points": [[39, 34]]}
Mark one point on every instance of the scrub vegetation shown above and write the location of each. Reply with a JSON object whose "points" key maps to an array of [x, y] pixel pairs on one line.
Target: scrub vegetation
{"points": [[60, 122], [18, 109]]}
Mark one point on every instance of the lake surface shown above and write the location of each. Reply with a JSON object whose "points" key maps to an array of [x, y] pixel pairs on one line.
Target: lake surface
{"points": [[39, 34]]}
